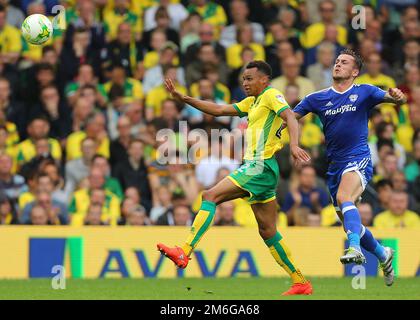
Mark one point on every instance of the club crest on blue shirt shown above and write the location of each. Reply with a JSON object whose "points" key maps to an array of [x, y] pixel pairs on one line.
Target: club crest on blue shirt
{"points": [[280, 98], [353, 97]]}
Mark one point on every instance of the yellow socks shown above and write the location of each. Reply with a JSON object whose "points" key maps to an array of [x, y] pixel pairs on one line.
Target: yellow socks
{"points": [[201, 224], [282, 255]]}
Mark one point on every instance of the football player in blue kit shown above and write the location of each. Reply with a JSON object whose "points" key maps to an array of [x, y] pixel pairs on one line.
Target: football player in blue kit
{"points": [[344, 112]]}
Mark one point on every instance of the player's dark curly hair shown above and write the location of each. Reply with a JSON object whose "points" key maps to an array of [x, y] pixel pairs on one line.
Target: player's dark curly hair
{"points": [[261, 66], [357, 58]]}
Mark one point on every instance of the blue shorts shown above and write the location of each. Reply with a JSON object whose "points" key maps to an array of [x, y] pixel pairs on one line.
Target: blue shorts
{"points": [[362, 166]]}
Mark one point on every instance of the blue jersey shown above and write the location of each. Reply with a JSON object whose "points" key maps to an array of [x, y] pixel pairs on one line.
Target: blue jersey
{"points": [[344, 117]]}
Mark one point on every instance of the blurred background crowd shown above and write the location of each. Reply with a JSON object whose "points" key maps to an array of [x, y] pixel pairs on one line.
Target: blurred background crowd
{"points": [[79, 115]]}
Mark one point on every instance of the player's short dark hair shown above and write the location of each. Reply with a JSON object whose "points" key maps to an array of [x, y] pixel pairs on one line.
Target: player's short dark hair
{"points": [[357, 58], [261, 66]]}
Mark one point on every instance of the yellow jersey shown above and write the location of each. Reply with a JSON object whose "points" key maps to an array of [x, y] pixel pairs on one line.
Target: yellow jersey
{"points": [[386, 219], [25, 150], [233, 54], [263, 132], [220, 91], [384, 82], [10, 41], [74, 142], [157, 95], [80, 202], [112, 19], [133, 89], [315, 33]]}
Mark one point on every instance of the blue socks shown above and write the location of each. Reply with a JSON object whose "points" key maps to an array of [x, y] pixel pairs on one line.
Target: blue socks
{"points": [[352, 224], [369, 243], [359, 234]]}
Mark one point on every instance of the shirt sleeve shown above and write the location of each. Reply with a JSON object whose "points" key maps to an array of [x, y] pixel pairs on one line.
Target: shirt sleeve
{"points": [[243, 106], [377, 95], [304, 107], [278, 102]]}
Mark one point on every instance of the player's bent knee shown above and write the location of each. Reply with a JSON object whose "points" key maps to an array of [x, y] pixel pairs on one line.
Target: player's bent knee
{"points": [[210, 195], [266, 232], [343, 197]]}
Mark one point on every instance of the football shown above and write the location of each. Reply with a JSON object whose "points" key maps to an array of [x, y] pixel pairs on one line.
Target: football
{"points": [[37, 29]]}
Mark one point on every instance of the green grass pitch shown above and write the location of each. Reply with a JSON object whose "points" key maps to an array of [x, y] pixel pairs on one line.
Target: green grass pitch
{"points": [[206, 289]]}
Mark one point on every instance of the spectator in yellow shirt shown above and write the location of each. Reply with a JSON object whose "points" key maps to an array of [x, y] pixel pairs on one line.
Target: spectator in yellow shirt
{"points": [[120, 12], [158, 94], [95, 129], [211, 13], [84, 198], [85, 78], [160, 46], [244, 38], [397, 216], [211, 72], [315, 33], [12, 135], [133, 89], [5, 148], [38, 129], [93, 216], [375, 77], [405, 133], [10, 40]]}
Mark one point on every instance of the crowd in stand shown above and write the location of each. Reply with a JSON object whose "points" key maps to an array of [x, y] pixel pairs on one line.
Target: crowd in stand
{"points": [[80, 115]]}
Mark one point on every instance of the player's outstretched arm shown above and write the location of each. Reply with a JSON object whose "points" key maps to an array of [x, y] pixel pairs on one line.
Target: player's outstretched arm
{"points": [[284, 125], [298, 154], [209, 107], [395, 95]]}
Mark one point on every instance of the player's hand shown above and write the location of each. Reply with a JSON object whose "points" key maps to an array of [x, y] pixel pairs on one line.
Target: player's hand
{"points": [[398, 95], [172, 90], [299, 155]]}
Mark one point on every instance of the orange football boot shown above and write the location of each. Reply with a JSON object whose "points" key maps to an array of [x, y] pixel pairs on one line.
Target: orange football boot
{"points": [[299, 288], [177, 255]]}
